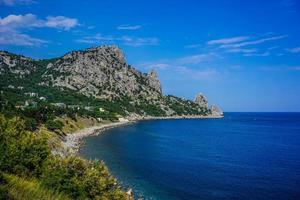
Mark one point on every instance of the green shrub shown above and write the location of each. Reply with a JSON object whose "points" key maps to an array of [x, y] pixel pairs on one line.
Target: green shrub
{"points": [[37, 174], [81, 179], [22, 152], [54, 125], [31, 124]]}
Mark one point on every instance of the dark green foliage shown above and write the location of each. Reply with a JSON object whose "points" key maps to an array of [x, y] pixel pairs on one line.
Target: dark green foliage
{"points": [[80, 179], [184, 107], [150, 109], [54, 125], [28, 169], [22, 152], [31, 124]]}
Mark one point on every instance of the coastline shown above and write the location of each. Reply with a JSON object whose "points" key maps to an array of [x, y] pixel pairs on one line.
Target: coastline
{"points": [[72, 141], [183, 117]]}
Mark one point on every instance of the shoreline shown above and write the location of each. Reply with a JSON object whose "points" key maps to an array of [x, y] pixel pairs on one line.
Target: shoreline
{"points": [[73, 141], [182, 117]]}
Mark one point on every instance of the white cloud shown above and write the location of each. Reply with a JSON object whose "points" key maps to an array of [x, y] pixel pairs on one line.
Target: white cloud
{"points": [[191, 46], [294, 50], [194, 59], [30, 20], [207, 73], [60, 22], [182, 70], [19, 39], [161, 66], [281, 68], [11, 28], [241, 45], [238, 50], [126, 40], [257, 54], [253, 42], [228, 40], [136, 41], [192, 66], [12, 22], [15, 2], [96, 39], [129, 27]]}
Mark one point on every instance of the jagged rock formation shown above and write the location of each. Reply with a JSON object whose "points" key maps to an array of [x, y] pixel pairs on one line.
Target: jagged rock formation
{"points": [[201, 100], [14, 64], [103, 73], [99, 73], [216, 111], [153, 80]]}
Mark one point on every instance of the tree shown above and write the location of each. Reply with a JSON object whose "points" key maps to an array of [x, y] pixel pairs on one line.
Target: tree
{"points": [[54, 125]]}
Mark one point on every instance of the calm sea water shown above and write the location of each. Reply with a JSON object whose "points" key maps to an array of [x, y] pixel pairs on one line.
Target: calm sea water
{"points": [[242, 156]]}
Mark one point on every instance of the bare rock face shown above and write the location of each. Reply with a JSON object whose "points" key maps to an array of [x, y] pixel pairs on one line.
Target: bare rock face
{"points": [[153, 80], [18, 65], [102, 72], [201, 100], [216, 111]]}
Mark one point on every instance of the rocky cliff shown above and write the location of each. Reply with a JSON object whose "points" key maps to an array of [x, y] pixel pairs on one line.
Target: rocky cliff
{"points": [[14, 64], [99, 73], [201, 100]]}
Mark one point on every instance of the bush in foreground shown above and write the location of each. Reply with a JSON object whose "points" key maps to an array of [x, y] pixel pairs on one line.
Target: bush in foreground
{"points": [[29, 171]]}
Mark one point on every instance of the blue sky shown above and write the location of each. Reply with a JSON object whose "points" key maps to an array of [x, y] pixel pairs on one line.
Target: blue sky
{"points": [[244, 56]]}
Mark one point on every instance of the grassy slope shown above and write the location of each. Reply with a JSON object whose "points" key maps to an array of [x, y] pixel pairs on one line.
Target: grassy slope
{"points": [[20, 189]]}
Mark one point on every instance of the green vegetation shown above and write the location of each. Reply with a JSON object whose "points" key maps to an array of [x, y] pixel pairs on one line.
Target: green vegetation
{"points": [[32, 89], [34, 116], [81, 179], [54, 125], [184, 107], [20, 188], [28, 170]]}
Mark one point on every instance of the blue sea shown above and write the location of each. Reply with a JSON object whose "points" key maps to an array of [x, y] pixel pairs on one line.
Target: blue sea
{"points": [[241, 156]]}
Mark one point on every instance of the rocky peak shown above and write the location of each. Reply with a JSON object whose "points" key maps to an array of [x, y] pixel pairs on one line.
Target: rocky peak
{"points": [[101, 72], [16, 64], [110, 50], [201, 100], [154, 81]]}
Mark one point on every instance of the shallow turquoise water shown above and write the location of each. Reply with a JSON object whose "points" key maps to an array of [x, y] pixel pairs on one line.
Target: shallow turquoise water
{"points": [[242, 156]]}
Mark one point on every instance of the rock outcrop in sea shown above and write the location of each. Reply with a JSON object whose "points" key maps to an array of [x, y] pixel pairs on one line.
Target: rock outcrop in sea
{"points": [[201, 100]]}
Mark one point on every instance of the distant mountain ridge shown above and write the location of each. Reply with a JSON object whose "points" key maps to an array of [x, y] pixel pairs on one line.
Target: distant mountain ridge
{"points": [[100, 74]]}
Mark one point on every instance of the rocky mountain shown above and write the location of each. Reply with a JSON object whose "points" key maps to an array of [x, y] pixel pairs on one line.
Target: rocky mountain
{"points": [[102, 75], [16, 65], [101, 72]]}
